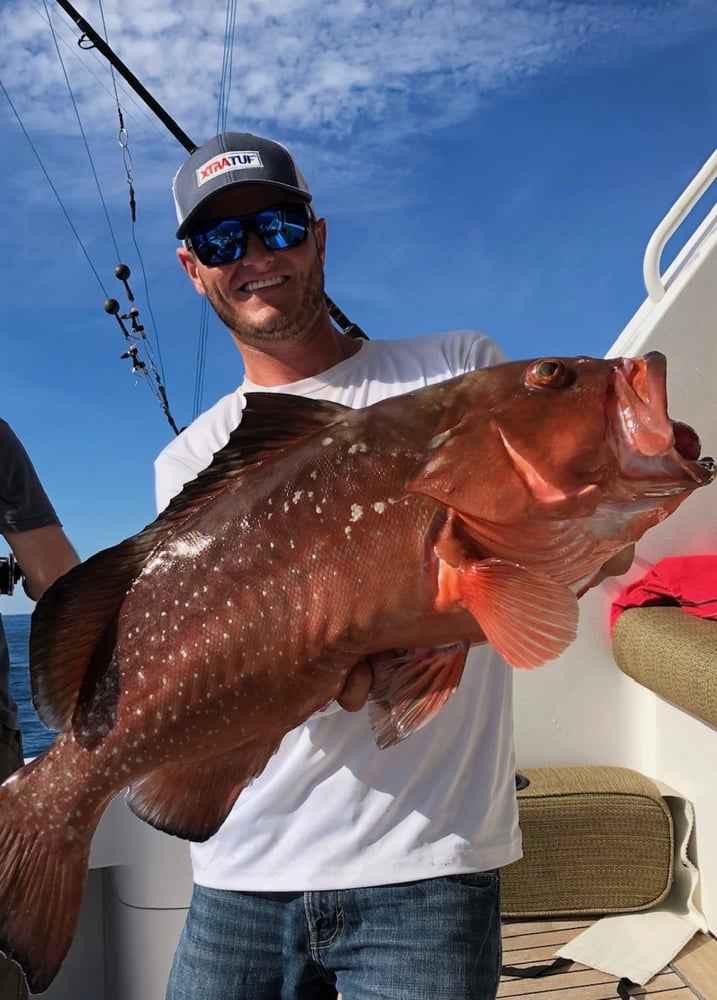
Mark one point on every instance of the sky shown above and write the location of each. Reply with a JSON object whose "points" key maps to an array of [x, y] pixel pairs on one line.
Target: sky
{"points": [[497, 165]]}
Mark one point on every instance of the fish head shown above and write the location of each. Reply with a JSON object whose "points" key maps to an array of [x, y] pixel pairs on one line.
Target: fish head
{"points": [[558, 437]]}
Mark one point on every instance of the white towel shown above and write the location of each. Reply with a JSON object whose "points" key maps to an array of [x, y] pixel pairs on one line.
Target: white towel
{"points": [[637, 946]]}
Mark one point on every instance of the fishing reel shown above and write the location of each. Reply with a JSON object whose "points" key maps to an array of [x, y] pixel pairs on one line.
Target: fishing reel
{"points": [[10, 574]]}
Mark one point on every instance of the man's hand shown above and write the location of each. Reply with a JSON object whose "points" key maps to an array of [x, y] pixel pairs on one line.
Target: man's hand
{"points": [[357, 686]]}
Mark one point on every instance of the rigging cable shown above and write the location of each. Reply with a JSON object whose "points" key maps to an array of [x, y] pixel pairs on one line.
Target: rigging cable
{"points": [[53, 188], [137, 332], [138, 367], [338, 316], [129, 96], [225, 83], [221, 124], [123, 139], [82, 131]]}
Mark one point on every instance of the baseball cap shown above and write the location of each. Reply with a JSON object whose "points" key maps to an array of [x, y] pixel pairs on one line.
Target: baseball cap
{"points": [[230, 160]]}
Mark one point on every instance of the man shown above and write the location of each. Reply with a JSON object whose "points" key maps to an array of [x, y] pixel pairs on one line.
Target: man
{"points": [[341, 866], [31, 528]]}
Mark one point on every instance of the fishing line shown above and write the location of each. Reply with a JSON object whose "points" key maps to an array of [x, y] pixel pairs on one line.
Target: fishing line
{"points": [[158, 390], [225, 82], [137, 334], [140, 116], [82, 131], [221, 124], [338, 316], [53, 188], [123, 139]]}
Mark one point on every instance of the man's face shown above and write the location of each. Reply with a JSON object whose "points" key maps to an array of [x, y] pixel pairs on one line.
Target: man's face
{"points": [[269, 296]]}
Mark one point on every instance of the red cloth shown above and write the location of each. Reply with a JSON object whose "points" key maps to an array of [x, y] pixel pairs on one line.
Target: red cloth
{"points": [[687, 582]]}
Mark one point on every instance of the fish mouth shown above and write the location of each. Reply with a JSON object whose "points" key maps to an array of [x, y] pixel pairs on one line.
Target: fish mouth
{"points": [[649, 443]]}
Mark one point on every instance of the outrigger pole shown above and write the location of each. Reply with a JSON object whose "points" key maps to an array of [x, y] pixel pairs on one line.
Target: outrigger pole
{"points": [[96, 40]]}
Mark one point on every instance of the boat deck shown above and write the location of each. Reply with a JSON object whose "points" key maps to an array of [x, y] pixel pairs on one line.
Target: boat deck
{"points": [[693, 974]]}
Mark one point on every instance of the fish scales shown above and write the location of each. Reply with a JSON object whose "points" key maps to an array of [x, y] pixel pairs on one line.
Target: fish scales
{"points": [[176, 661]]}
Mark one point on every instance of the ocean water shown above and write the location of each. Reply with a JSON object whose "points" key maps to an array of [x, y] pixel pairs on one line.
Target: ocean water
{"points": [[35, 736]]}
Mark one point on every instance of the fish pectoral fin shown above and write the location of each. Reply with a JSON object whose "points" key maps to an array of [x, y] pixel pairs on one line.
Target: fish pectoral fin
{"points": [[411, 688], [527, 617], [192, 799]]}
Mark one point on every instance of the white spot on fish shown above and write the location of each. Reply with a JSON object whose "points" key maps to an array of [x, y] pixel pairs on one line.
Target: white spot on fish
{"points": [[318, 509], [356, 512], [379, 506], [440, 439], [297, 496], [327, 441], [191, 545], [360, 446]]}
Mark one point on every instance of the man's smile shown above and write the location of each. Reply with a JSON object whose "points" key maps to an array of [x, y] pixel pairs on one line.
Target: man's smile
{"points": [[253, 286]]}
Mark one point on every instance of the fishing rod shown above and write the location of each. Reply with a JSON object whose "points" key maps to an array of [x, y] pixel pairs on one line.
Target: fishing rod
{"points": [[96, 40]]}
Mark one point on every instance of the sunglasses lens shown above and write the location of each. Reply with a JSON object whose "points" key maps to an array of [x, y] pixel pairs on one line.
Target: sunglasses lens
{"points": [[282, 228], [222, 243]]}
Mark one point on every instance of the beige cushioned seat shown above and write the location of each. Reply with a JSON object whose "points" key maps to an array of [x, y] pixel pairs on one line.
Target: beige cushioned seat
{"points": [[596, 840]]}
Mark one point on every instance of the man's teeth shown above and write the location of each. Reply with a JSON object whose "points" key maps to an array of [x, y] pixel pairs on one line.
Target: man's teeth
{"points": [[252, 286]]}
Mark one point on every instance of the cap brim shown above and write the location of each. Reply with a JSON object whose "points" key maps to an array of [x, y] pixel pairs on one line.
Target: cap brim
{"points": [[199, 209]]}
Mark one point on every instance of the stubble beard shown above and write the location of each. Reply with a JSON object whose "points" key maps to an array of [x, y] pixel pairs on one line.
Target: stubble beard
{"points": [[278, 326]]}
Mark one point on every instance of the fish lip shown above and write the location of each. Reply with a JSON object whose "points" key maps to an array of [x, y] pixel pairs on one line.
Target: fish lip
{"points": [[645, 435]]}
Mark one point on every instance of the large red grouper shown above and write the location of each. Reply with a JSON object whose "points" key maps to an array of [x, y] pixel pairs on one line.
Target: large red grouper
{"points": [[174, 663]]}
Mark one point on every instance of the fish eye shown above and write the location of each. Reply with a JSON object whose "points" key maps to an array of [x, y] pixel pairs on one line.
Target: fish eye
{"points": [[548, 373]]}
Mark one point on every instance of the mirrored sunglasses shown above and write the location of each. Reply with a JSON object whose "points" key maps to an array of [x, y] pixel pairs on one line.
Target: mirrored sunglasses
{"points": [[224, 241]]}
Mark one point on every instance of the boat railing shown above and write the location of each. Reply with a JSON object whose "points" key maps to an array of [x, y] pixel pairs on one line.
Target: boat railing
{"points": [[676, 215]]}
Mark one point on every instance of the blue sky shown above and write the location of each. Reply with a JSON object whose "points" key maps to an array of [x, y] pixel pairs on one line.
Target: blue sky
{"points": [[495, 165]]}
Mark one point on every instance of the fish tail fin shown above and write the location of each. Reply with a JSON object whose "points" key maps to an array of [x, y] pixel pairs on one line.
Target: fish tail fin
{"points": [[43, 868]]}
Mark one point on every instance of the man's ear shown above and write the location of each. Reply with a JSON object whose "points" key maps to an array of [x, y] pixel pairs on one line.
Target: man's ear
{"points": [[189, 264], [320, 236]]}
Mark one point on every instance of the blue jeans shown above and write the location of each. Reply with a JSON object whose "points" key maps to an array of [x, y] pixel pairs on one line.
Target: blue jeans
{"points": [[438, 939]]}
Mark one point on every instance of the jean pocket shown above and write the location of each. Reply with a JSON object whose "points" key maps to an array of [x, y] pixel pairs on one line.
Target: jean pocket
{"points": [[480, 880]]}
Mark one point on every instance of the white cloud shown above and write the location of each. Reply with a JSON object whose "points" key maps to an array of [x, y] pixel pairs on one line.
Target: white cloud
{"points": [[343, 64], [348, 84]]}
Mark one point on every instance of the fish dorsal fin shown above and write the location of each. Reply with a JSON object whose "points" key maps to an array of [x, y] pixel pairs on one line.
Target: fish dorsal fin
{"points": [[411, 688], [271, 422], [70, 620]]}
